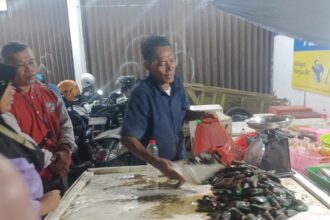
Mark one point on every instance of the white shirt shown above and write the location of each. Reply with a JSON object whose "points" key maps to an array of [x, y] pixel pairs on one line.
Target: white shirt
{"points": [[168, 91]]}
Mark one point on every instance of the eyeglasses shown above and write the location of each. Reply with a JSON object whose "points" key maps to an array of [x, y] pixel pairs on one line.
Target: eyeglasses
{"points": [[23, 66]]}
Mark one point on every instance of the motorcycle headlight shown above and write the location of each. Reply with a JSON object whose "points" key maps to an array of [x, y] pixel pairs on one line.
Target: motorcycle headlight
{"points": [[100, 92], [101, 155]]}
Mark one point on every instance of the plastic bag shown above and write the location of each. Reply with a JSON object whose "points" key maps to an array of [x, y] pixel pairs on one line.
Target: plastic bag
{"points": [[242, 141], [211, 136]]}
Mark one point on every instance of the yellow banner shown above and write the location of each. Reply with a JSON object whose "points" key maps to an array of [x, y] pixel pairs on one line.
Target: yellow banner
{"points": [[311, 70]]}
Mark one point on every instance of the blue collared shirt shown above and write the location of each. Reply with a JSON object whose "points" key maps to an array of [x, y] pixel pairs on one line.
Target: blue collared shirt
{"points": [[153, 114]]}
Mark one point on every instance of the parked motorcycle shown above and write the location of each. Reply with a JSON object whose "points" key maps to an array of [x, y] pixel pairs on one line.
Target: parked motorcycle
{"points": [[108, 150], [99, 143], [113, 107]]}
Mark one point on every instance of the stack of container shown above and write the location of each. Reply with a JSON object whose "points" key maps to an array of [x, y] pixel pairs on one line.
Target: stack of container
{"points": [[298, 111]]}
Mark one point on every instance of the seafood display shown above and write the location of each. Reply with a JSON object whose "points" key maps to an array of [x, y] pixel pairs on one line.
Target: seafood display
{"points": [[242, 191], [204, 158]]}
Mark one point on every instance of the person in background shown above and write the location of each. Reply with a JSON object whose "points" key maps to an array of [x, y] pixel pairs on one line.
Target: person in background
{"points": [[42, 78], [26, 157], [157, 109], [40, 114], [69, 91], [88, 93], [15, 200]]}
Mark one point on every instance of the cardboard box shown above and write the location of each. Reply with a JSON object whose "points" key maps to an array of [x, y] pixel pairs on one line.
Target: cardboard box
{"points": [[208, 108]]}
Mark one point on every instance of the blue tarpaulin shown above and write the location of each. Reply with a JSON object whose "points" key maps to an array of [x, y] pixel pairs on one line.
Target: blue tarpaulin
{"points": [[307, 20]]}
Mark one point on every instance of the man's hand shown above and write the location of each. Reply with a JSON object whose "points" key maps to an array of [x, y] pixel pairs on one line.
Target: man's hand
{"points": [[60, 164], [208, 115], [199, 115], [163, 165], [166, 167]]}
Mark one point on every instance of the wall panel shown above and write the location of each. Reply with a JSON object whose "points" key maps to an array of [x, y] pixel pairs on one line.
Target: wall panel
{"points": [[44, 25], [212, 47]]}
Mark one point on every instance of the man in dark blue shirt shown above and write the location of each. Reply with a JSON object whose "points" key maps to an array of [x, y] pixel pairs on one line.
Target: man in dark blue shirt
{"points": [[157, 108]]}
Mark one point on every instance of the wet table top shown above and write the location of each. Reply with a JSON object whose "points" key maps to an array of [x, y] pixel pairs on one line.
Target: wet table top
{"points": [[122, 193]]}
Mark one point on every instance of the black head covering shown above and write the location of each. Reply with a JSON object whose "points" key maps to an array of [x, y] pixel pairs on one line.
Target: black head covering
{"points": [[7, 74]]}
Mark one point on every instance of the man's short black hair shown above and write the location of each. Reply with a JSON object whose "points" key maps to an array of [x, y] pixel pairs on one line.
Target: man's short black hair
{"points": [[150, 43], [12, 48]]}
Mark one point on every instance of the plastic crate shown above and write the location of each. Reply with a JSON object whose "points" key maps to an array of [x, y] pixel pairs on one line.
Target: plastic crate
{"points": [[313, 173], [325, 139], [301, 159]]}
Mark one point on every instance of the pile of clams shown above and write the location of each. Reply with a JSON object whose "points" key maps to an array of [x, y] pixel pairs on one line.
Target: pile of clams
{"points": [[241, 191]]}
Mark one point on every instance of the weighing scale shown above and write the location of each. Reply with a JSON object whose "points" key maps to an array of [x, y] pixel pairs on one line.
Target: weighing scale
{"points": [[269, 149]]}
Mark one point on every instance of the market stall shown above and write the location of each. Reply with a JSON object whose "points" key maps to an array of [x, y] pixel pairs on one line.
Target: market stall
{"points": [[122, 193]]}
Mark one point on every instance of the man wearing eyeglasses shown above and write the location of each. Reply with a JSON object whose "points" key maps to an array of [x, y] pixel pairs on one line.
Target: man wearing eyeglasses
{"points": [[157, 108], [40, 114]]}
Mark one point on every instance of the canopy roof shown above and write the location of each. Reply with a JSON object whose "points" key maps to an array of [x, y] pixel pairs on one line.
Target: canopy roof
{"points": [[300, 19]]}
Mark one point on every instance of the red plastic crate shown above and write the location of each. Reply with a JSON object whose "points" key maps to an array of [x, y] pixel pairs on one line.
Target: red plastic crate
{"points": [[304, 114], [285, 110]]}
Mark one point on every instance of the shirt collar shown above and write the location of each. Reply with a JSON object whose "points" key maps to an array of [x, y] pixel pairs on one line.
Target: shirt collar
{"points": [[32, 89], [174, 85]]}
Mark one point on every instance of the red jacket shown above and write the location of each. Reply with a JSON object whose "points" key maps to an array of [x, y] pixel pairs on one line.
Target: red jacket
{"points": [[37, 112]]}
